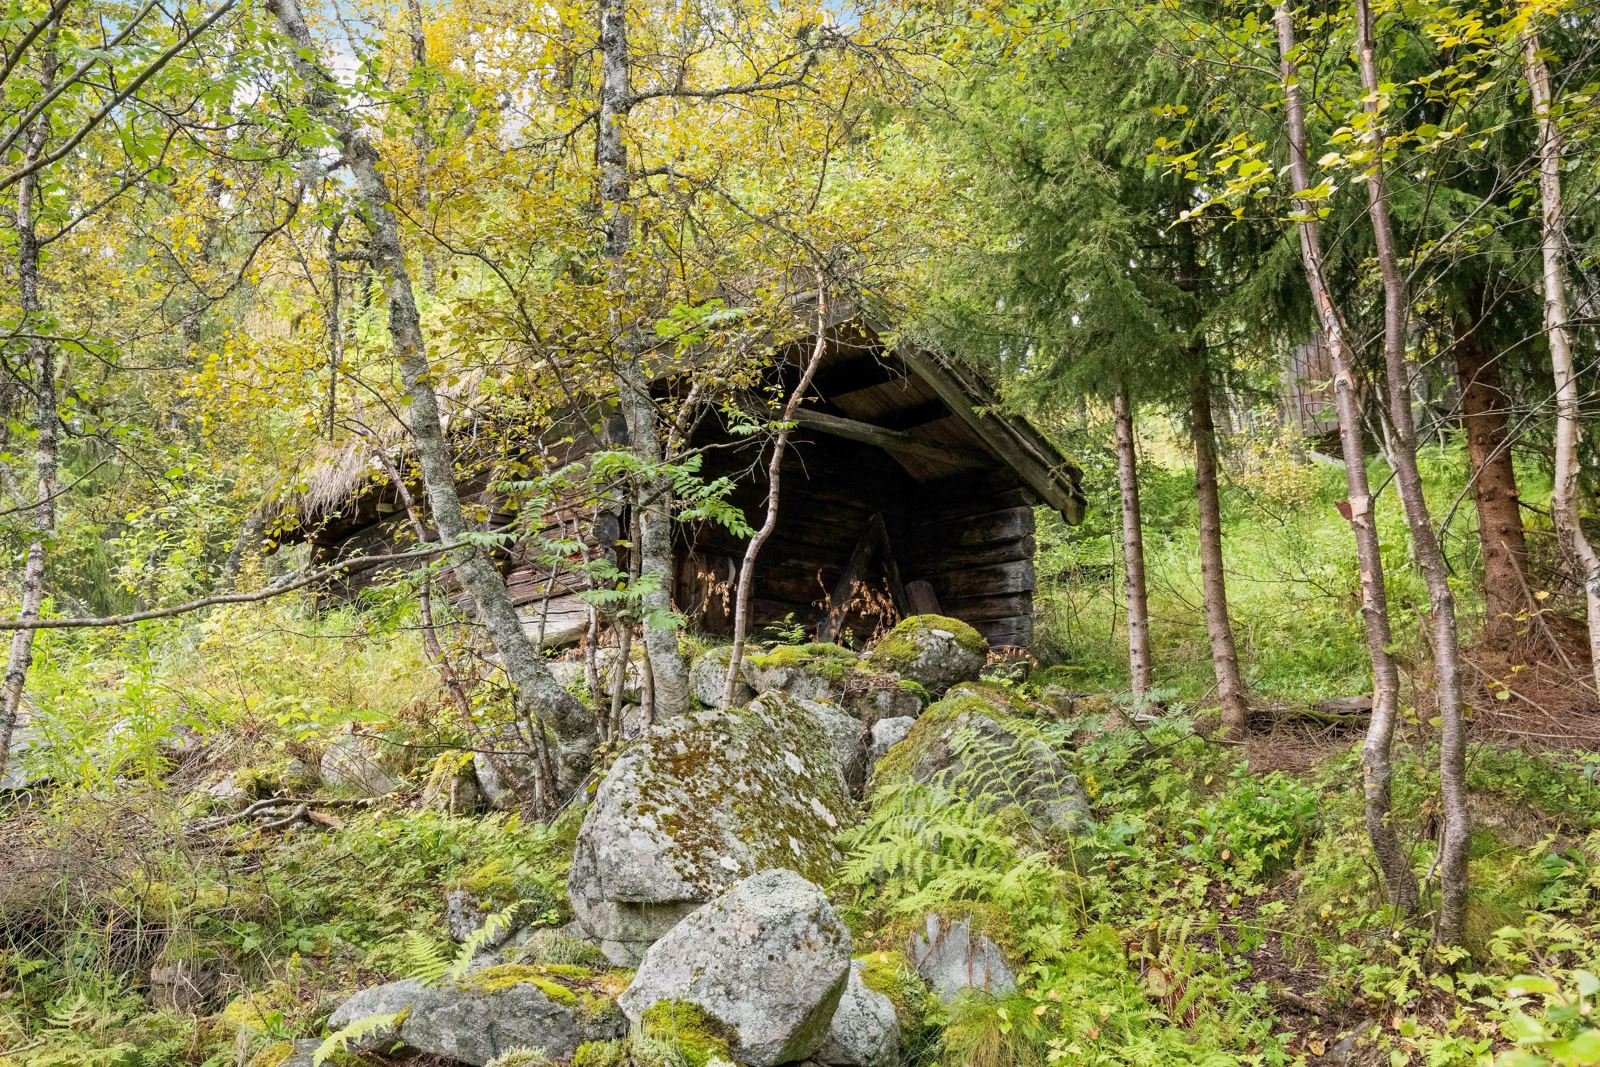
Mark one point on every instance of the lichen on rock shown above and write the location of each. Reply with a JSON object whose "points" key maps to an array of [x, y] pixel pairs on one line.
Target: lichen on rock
{"points": [[935, 651], [975, 743], [769, 960], [698, 803]]}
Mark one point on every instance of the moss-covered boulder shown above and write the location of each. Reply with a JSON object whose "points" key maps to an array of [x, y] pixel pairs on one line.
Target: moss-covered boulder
{"points": [[975, 743], [452, 785], [817, 671], [766, 962], [300, 1053], [835, 675], [684, 1033], [699, 802], [513, 1006], [934, 651]]}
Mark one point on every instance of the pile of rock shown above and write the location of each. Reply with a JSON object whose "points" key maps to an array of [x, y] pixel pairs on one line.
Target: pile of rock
{"points": [[699, 859]]}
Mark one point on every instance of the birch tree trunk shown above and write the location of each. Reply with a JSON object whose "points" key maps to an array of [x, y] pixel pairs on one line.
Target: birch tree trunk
{"points": [[1213, 580], [1376, 764], [654, 492], [1139, 669], [539, 696], [42, 369], [1454, 838], [1557, 327], [769, 522]]}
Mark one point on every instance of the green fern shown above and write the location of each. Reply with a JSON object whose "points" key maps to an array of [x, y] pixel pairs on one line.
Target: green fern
{"points": [[493, 926], [358, 1030]]}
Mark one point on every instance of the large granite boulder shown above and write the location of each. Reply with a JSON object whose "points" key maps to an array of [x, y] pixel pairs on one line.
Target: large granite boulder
{"points": [[708, 677], [953, 957], [935, 651], [976, 743], [865, 1031], [696, 804], [487, 1014], [769, 960]]}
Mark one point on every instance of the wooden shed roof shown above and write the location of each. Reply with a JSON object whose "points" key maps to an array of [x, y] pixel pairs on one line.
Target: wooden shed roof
{"points": [[933, 416]]}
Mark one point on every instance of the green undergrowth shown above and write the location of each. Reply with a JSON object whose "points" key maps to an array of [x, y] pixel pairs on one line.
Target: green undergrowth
{"points": [[1165, 933], [1293, 579], [292, 921]]}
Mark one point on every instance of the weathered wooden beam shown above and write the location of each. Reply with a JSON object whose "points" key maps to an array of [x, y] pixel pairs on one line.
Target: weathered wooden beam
{"points": [[888, 440], [871, 539], [1023, 450]]}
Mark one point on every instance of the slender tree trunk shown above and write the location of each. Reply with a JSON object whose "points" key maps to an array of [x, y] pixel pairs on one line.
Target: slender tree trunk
{"points": [[780, 445], [1139, 671], [1376, 763], [540, 698], [654, 491], [1501, 539], [526, 792], [1455, 838], [1213, 581], [42, 368], [419, 137], [1557, 327]]}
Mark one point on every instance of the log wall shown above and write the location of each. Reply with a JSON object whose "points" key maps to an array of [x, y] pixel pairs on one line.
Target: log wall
{"points": [[970, 538]]}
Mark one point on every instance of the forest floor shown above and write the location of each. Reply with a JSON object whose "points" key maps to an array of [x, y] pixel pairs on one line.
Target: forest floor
{"points": [[1222, 910]]}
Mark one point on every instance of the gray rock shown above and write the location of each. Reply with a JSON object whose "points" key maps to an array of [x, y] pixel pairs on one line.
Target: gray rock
{"points": [[805, 672], [933, 650], [769, 959], [708, 675], [191, 986], [865, 1031], [569, 673], [501, 790], [21, 771], [845, 736], [698, 803], [953, 957], [972, 744], [474, 1023], [226, 791], [465, 914], [356, 762], [884, 698], [887, 733]]}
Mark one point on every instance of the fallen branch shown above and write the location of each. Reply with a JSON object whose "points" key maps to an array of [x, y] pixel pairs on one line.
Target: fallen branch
{"points": [[268, 806], [288, 820], [278, 589]]}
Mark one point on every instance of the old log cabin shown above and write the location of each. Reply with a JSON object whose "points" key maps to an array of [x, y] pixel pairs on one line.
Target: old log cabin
{"points": [[905, 490]]}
